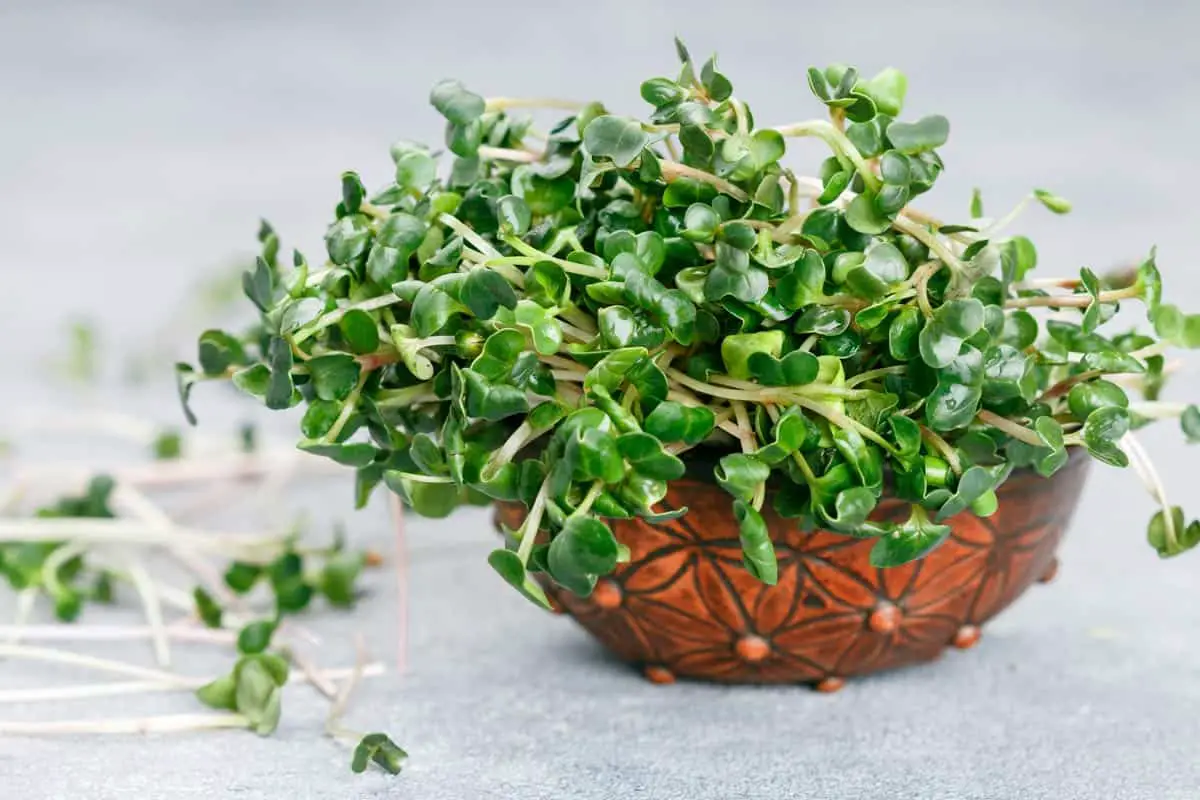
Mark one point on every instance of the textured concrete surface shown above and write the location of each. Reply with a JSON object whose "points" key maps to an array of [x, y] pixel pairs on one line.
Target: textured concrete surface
{"points": [[141, 141]]}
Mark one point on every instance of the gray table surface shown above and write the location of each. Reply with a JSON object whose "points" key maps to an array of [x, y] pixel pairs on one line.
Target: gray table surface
{"points": [[140, 142]]}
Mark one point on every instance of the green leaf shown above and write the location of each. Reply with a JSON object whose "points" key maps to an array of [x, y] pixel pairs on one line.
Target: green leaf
{"points": [[1052, 201], [220, 694], [353, 192], [903, 334], [379, 749], [514, 215], [241, 577], [279, 392], [737, 349], [583, 549], [207, 608], [455, 103], [333, 376], [741, 475], [431, 500], [1084, 398], [952, 324], [646, 455], [795, 369], [758, 552], [660, 92], [185, 379], [1190, 422], [542, 325], [914, 539], [484, 292], [218, 351], [887, 89], [346, 241], [492, 401], [594, 455], [349, 455], [508, 565], [700, 223], [257, 696], [925, 134], [619, 139], [360, 331], [864, 217], [259, 285], [684, 192], [1101, 432], [671, 421], [255, 637]]}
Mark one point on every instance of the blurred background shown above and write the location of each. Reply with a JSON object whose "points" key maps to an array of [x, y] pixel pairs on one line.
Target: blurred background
{"points": [[141, 141]]}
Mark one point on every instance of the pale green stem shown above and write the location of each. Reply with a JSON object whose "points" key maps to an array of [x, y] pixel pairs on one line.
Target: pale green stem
{"points": [[508, 154], [1008, 218], [349, 405], [1140, 460], [1155, 410], [872, 374], [838, 142], [672, 170], [373, 210], [523, 435], [55, 562], [335, 316], [568, 266], [930, 240], [1074, 300], [533, 522], [51, 655], [409, 395], [943, 447], [506, 103], [152, 607], [843, 421], [169, 723], [586, 505], [1013, 429], [417, 477], [461, 228]]}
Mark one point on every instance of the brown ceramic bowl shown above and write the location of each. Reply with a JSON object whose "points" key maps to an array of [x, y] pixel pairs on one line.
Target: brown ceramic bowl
{"points": [[683, 606]]}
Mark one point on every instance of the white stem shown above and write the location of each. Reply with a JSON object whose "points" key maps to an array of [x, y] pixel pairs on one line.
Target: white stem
{"points": [[334, 317], [117, 531], [25, 601], [342, 701], [162, 724], [152, 606], [117, 688], [1156, 410], [460, 227], [55, 561], [114, 633], [1008, 219], [397, 516], [930, 240], [1140, 460], [53, 656], [507, 154]]}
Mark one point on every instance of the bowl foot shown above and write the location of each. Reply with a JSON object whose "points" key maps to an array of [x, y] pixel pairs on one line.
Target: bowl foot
{"points": [[831, 684], [1050, 572], [967, 637], [656, 673]]}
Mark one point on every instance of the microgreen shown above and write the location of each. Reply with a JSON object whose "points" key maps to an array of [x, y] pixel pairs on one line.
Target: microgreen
{"points": [[567, 322]]}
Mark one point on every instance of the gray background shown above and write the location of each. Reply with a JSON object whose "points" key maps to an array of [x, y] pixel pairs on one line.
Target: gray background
{"points": [[139, 142]]}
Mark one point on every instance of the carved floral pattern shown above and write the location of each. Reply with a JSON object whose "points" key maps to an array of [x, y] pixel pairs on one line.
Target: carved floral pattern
{"points": [[683, 606]]}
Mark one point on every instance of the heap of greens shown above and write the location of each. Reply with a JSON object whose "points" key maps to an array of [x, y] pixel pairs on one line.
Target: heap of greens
{"points": [[563, 318]]}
